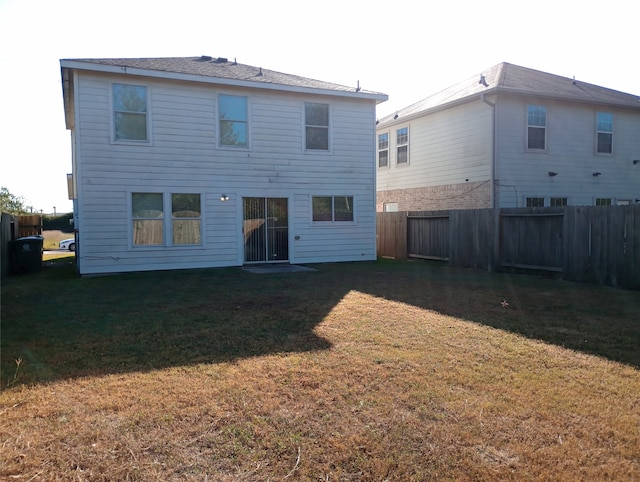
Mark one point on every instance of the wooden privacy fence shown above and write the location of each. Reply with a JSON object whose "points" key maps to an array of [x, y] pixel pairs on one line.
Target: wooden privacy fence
{"points": [[11, 228], [29, 225], [7, 234], [584, 243]]}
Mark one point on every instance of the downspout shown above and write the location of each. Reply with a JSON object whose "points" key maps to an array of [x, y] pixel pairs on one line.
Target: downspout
{"points": [[493, 150], [494, 261]]}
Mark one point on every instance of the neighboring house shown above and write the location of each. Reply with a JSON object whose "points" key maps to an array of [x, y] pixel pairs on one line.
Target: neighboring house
{"points": [[511, 137], [203, 162]]}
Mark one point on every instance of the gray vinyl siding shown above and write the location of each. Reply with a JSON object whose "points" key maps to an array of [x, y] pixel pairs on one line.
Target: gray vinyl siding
{"points": [[570, 152], [445, 147], [183, 156]]}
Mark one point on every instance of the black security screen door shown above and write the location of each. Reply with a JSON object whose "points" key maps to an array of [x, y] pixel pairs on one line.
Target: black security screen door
{"points": [[266, 230]]}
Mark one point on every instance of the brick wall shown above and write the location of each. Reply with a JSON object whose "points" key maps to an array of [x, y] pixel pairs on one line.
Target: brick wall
{"points": [[470, 195]]}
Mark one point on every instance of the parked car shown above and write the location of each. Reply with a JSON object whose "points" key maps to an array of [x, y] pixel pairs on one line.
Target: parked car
{"points": [[69, 244]]}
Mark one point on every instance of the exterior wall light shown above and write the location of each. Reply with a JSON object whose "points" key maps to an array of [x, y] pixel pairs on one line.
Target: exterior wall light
{"points": [[596, 174], [224, 198]]}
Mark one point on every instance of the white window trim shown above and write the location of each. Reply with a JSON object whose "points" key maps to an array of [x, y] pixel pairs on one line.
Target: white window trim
{"points": [[217, 123], [527, 125], [168, 196], [390, 207], [612, 201], [559, 197], [333, 222], [396, 146], [598, 131], [378, 150], [544, 200], [321, 152], [167, 220], [112, 127]]}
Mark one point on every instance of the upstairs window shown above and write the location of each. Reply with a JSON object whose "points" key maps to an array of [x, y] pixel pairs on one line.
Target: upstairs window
{"points": [[130, 112], [604, 133], [536, 127], [402, 146], [232, 112], [383, 150], [332, 208], [316, 121], [603, 201]]}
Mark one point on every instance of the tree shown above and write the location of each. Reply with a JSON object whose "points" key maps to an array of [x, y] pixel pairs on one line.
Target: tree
{"points": [[12, 204]]}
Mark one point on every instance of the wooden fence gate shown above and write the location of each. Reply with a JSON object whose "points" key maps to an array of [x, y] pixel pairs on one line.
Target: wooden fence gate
{"points": [[532, 238]]}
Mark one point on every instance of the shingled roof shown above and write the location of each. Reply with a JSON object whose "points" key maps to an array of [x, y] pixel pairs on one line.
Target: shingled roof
{"points": [[506, 77], [210, 69]]}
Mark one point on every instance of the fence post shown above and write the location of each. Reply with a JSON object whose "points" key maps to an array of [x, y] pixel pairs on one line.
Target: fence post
{"points": [[495, 265]]}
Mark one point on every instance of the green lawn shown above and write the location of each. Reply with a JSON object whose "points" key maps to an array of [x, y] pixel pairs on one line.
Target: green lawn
{"points": [[357, 371]]}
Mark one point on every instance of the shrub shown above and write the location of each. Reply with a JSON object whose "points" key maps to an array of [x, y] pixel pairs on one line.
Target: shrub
{"points": [[61, 222]]}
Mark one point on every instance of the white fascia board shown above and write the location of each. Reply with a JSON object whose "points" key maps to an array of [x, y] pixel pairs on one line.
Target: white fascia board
{"points": [[113, 69], [430, 110]]}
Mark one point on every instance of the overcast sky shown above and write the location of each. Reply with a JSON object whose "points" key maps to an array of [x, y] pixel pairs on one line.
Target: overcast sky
{"points": [[405, 49]]}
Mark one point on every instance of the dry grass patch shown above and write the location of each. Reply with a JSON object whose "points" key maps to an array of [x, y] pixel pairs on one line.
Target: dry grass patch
{"points": [[373, 371], [52, 238]]}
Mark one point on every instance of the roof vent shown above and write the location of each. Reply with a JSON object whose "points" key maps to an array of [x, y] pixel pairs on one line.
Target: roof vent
{"points": [[260, 74], [205, 58], [483, 81], [221, 60]]}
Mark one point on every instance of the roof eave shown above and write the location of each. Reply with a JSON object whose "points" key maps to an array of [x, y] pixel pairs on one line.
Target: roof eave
{"points": [[567, 98], [113, 69], [501, 90], [436, 108], [67, 93]]}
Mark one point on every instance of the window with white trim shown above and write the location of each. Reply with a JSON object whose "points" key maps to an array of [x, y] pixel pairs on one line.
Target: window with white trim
{"points": [[332, 208], [390, 207], [535, 202], [150, 223], [147, 211], [233, 125], [557, 201], [130, 113], [383, 149], [316, 122], [604, 133], [536, 127], [185, 218], [402, 145]]}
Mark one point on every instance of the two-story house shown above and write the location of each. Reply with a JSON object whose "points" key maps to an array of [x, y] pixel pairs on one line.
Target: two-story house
{"points": [[204, 162], [511, 137]]}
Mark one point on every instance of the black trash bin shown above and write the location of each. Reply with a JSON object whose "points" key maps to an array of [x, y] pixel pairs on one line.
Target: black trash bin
{"points": [[27, 254]]}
